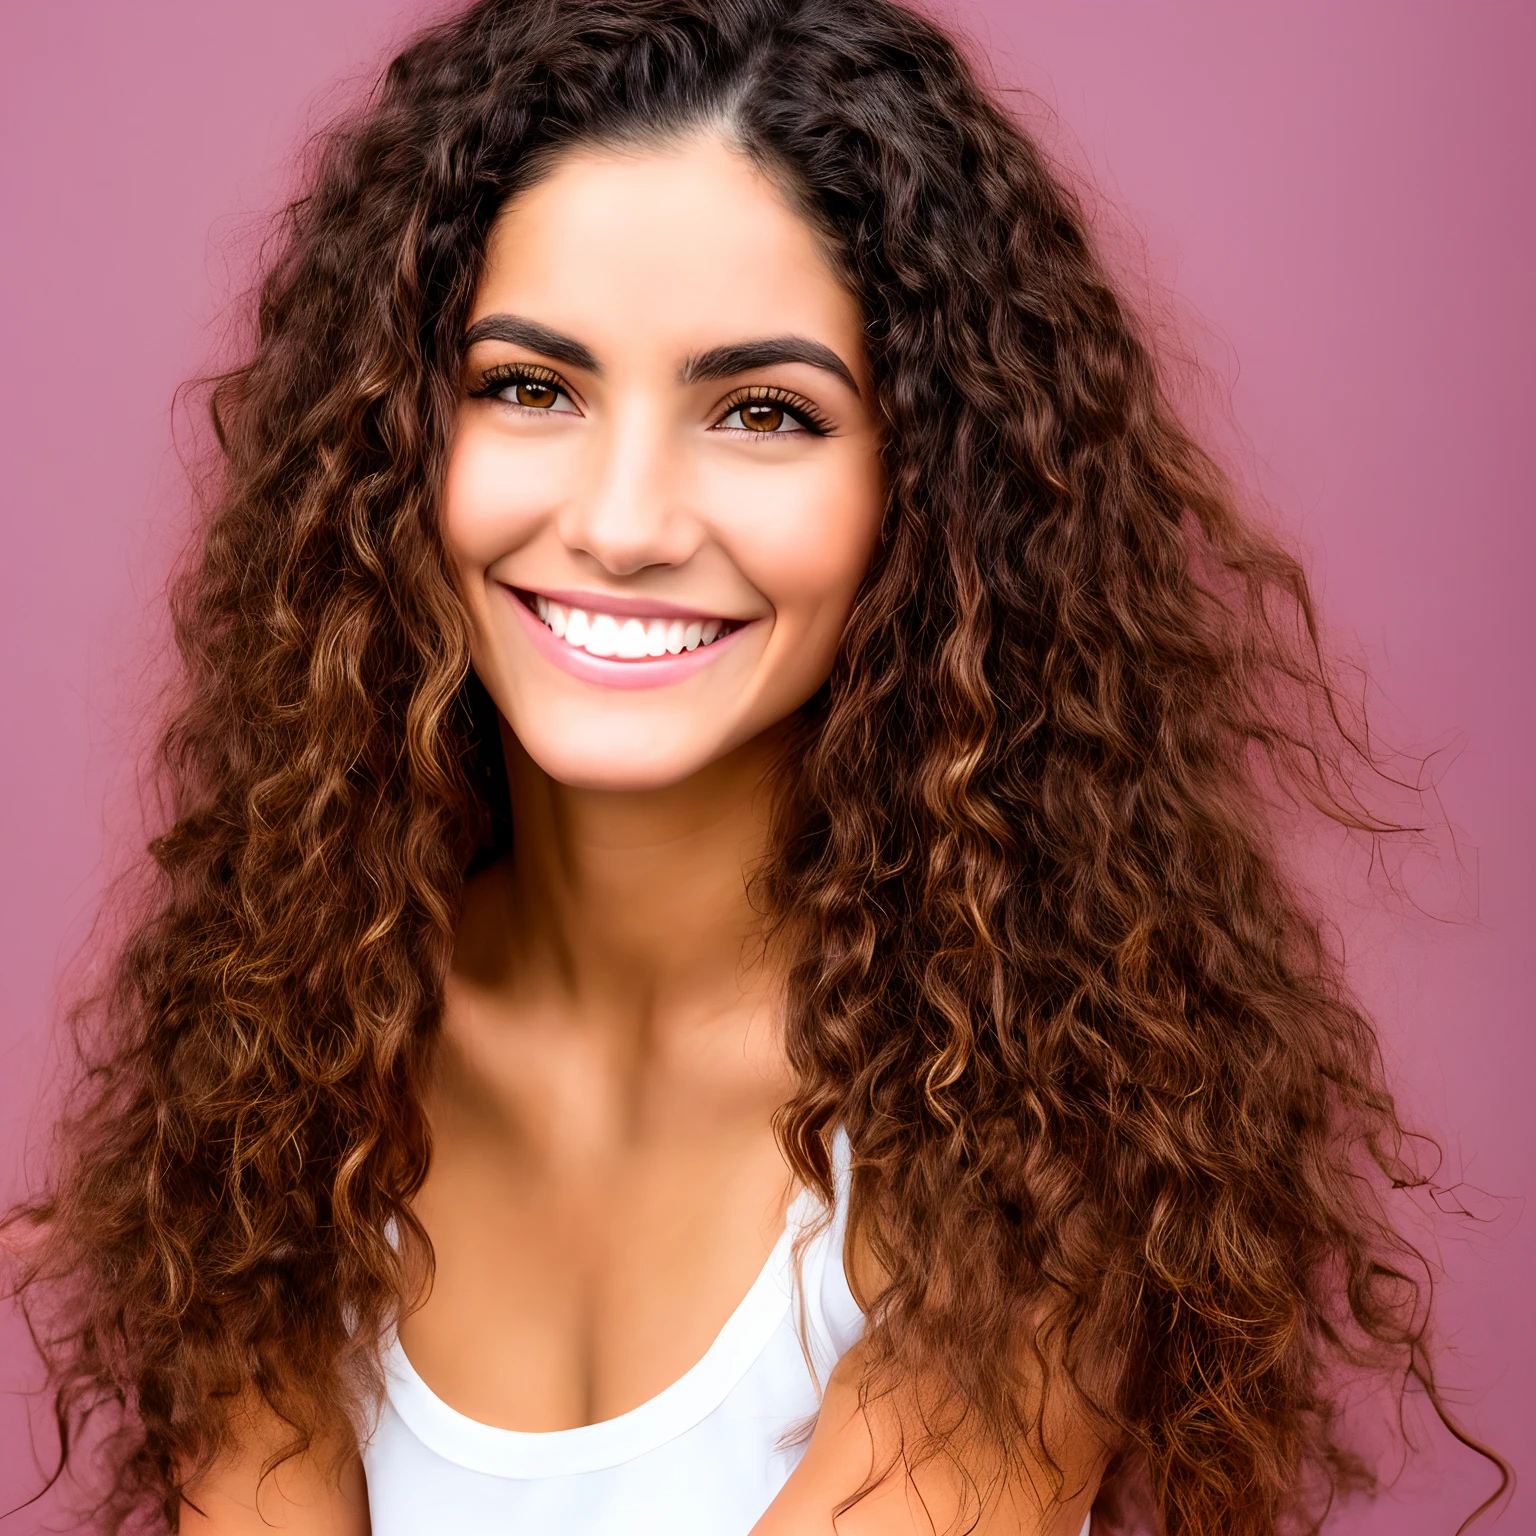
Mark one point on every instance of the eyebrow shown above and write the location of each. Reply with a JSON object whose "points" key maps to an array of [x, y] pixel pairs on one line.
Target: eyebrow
{"points": [[537, 338], [743, 356], [717, 363]]}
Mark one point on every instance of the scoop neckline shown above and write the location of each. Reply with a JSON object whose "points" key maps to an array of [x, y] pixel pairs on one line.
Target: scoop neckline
{"points": [[524, 1453]]}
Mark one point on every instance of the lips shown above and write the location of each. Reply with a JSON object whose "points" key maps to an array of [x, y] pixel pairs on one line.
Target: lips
{"points": [[623, 642]]}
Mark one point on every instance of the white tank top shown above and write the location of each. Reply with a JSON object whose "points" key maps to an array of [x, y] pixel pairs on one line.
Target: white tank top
{"points": [[704, 1457]]}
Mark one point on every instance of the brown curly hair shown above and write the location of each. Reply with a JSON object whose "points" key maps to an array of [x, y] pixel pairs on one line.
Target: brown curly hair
{"points": [[1110, 1101]]}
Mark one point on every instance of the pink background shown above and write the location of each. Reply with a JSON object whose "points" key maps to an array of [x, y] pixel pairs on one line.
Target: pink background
{"points": [[1334, 198]]}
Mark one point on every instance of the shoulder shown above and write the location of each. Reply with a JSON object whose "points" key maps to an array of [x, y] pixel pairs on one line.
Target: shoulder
{"points": [[876, 1436], [255, 1486], [861, 1450]]}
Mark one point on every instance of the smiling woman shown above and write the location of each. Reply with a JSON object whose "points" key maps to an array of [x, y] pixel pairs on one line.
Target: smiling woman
{"points": [[664, 446], [717, 965]]}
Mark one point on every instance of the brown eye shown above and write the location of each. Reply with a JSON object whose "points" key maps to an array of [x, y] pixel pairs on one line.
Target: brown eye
{"points": [[535, 394], [765, 416], [762, 416]]}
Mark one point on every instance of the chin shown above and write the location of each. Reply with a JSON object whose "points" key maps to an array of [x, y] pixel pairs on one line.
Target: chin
{"points": [[619, 764]]}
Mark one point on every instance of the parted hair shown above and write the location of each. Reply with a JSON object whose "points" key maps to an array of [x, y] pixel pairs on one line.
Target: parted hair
{"points": [[1116, 1119]]}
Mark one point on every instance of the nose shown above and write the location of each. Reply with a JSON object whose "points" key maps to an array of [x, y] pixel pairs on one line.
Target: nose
{"points": [[631, 511]]}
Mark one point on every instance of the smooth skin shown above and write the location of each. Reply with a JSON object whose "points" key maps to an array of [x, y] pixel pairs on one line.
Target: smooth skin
{"points": [[667, 401]]}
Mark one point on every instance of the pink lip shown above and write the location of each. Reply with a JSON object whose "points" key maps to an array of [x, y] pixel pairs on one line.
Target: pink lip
{"points": [[620, 607], [648, 672]]}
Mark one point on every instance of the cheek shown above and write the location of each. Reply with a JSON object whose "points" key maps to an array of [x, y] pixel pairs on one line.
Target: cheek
{"points": [[807, 542], [490, 505]]}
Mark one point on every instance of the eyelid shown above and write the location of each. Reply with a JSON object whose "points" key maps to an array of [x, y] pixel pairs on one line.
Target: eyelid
{"points": [[805, 411], [499, 375]]}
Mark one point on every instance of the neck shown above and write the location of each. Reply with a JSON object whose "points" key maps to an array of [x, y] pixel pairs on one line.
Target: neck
{"points": [[633, 906]]}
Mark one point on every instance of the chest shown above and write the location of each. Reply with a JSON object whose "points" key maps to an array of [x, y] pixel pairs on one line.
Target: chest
{"points": [[587, 1252]]}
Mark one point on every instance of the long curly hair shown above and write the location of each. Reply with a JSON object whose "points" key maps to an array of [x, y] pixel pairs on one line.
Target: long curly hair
{"points": [[1115, 1116]]}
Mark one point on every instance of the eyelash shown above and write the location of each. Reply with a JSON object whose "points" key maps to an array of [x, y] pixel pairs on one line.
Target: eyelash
{"points": [[505, 375], [794, 405]]}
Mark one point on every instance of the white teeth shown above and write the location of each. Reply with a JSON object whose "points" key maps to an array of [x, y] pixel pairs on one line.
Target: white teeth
{"points": [[603, 638], [632, 640], [602, 634]]}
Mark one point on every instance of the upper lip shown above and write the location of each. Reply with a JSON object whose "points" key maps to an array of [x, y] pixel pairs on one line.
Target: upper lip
{"points": [[621, 607]]}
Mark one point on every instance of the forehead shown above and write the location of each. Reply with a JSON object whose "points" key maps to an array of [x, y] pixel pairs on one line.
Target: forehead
{"points": [[675, 247]]}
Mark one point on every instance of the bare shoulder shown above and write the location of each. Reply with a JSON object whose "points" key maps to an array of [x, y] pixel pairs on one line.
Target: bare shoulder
{"points": [[933, 1498], [319, 1493], [939, 1494]]}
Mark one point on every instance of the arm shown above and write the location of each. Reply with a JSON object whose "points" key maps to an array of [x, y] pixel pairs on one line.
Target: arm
{"points": [[925, 1502], [321, 1493]]}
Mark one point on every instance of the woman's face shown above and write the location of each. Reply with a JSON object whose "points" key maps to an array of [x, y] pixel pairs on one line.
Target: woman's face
{"points": [[664, 486]]}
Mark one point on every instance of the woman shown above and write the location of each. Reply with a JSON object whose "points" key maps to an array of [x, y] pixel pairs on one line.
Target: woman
{"points": [[717, 965]]}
